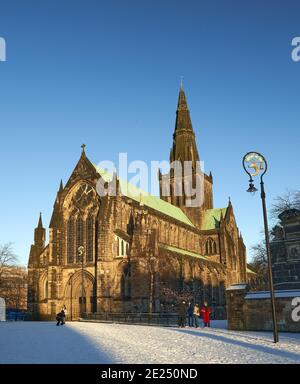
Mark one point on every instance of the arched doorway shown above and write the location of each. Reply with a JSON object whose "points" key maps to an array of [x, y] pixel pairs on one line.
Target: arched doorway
{"points": [[73, 298]]}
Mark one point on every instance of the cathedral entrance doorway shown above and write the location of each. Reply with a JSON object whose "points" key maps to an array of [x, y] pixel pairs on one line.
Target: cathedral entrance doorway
{"points": [[73, 299]]}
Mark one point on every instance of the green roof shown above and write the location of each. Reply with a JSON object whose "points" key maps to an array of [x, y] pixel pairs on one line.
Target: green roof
{"points": [[250, 271], [212, 218], [154, 202], [182, 251]]}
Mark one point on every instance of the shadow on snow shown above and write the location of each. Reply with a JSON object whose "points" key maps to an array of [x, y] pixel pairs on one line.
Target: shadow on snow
{"points": [[44, 342], [255, 347]]}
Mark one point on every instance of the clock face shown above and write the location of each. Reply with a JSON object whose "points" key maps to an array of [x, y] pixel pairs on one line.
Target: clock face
{"points": [[84, 195]]}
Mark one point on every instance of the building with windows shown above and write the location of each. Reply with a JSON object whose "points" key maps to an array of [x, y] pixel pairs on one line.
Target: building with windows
{"points": [[285, 250], [141, 252]]}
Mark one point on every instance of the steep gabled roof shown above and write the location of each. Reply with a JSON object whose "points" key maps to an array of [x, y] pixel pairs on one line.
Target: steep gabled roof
{"points": [[84, 169], [129, 190], [212, 218], [183, 252], [250, 270]]}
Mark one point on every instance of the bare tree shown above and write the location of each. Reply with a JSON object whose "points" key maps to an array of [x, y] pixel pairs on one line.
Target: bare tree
{"points": [[7, 257], [13, 287], [259, 264], [297, 199], [290, 200]]}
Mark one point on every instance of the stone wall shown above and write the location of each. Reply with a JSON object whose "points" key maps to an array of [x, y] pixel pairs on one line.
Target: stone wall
{"points": [[285, 250], [251, 311]]}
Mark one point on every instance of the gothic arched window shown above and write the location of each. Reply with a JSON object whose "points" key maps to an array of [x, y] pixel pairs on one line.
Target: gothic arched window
{"points": [[214, 248], [46, 289], [70, 240], [125, 283], [79, 236], [118, 246], [210, 247], [207, 247], [130, 225], [89, 238]]}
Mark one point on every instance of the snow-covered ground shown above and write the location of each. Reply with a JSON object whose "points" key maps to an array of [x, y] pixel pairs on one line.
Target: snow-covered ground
{"points": [[43, 342]]}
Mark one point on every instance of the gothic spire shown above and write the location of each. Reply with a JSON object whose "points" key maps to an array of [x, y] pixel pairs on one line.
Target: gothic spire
{"points": [[40, 223], [183, 120], [61, 186], [39, 234], [184, 144]]}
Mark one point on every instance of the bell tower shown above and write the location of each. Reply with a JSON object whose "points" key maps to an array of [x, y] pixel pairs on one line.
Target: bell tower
{"points": [[40, 234], [185, 157]]}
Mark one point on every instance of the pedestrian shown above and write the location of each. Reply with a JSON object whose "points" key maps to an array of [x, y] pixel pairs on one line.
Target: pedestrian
{"points": [[196, 315], [64, 311], [182, 314], [60, 318], [205, 312], [191, 314]]}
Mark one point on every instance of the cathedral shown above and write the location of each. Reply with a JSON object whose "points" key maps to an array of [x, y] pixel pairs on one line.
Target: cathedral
{"points": [[123, 253]]}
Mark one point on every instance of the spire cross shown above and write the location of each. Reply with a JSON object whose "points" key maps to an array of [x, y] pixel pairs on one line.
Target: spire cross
{"points": [[83, 146], [181, 82]]}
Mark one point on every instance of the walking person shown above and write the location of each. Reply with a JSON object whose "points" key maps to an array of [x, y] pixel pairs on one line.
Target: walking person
{"points": [[196, 315], [182, 314], [206, 312], [191, 314]]}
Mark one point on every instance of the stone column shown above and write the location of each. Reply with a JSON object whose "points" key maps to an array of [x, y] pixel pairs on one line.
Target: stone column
{"points": [[235, 299]]}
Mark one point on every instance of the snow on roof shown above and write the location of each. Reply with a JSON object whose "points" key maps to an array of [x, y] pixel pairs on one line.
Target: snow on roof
{"points": [[266, 294], [235, 287]]}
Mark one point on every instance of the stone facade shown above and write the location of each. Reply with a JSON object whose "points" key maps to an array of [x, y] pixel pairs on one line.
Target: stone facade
{"points": [[285, 251], [140, 253], [251, 311]]}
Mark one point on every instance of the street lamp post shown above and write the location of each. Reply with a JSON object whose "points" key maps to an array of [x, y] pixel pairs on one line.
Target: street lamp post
{"points": [[259, 165], [71, 284], [151, 285], [152, 268], [80, 253]]}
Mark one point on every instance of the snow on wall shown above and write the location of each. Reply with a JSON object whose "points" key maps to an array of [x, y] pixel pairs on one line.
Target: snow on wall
{"points": [[236, 287], [266, 294]]}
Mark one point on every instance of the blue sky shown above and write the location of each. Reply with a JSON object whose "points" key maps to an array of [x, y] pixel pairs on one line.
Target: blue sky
{"points": [[107, 73]]}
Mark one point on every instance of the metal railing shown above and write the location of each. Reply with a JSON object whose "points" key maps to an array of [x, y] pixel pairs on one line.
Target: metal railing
{"points": [[134, 318]]}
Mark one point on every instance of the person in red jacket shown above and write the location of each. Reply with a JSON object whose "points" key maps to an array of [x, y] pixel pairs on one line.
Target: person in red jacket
{"points": [[205, 313]]}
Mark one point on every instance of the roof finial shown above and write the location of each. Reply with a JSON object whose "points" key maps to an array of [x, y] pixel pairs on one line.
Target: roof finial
{"points": [[61, 186], [181, 82], [141, 200], [83, 146], [40, 223]]}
